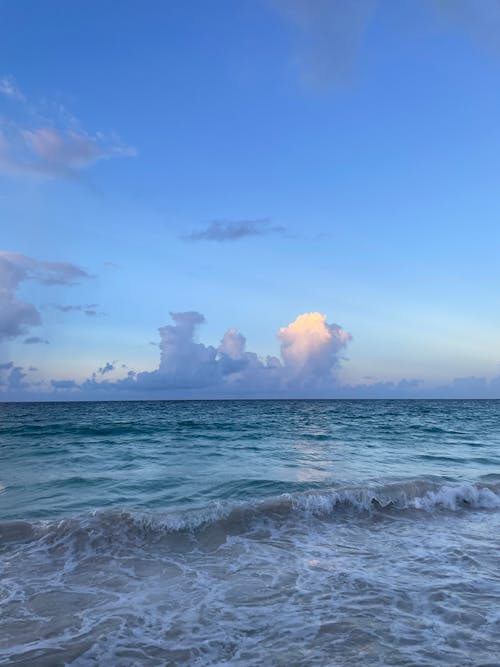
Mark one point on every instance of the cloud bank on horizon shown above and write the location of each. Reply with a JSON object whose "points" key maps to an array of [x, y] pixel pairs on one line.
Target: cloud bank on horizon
{"points": [[310, 358], [309, 361]]}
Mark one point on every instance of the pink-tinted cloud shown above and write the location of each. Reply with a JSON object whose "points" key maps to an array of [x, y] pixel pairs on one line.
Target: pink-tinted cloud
{"points": [[310, 347], [52, 152], [52, 143]]}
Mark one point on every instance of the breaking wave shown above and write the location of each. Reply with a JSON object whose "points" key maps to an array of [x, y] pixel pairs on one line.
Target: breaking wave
{"points": [[412, 497]]}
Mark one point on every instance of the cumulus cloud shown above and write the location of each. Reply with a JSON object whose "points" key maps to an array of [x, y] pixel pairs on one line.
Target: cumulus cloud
{"points": [[308, 363], [16, 316], [12, 378], [234, 230], [50, 144], [35, 340], [310, 349]]}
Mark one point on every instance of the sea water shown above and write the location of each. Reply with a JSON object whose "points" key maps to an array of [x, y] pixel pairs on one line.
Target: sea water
{"points": [[250, 533]]}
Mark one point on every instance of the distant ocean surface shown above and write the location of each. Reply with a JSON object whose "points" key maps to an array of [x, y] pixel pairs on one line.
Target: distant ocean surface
{"points": [[250, 533]]}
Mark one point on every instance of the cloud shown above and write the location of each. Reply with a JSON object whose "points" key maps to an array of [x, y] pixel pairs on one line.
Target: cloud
{"points": [[107, 368], [329, 33], [184, 363], [12, 378], [34, 340], [52, 152], [311, 353], [51, 145], [310, 349], [63, 384], [234, 230], [479, 19], [89, 309], [9, 88], [16, 316]]}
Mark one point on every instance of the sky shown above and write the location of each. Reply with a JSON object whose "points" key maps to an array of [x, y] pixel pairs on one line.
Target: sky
{"points": [[261, 198]]}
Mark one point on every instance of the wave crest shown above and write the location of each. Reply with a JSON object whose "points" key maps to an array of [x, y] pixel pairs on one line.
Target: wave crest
{"points": [[344, 503]]}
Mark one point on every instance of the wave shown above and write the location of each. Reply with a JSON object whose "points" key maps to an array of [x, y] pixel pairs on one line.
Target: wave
{"points": [[410, 496]]}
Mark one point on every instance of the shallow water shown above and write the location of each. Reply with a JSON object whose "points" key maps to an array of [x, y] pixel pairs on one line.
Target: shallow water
{"points": [[250, 533]]}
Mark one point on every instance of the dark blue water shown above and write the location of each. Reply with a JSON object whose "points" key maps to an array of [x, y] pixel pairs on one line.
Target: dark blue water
{"points": [[250, 532]]}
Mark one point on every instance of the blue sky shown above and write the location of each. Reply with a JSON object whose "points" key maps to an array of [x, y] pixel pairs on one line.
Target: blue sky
{"points": [[251, 161]]}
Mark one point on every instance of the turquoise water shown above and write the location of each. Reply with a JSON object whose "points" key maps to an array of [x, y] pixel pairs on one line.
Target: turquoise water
{"points": [[250, 532]]}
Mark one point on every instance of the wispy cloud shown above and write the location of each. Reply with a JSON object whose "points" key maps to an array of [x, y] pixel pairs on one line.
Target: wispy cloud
{"points": [[49, 142], [9, 88], [87, 309], [234, 230], [329, 33], [35, 340]]}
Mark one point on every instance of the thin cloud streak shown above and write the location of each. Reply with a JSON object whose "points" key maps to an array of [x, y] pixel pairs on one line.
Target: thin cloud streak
{"points": [[222, 231], [329, 34], [35, 340]]}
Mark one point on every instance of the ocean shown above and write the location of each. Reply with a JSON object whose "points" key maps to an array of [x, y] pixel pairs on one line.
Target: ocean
{"points": [[256, 533]]}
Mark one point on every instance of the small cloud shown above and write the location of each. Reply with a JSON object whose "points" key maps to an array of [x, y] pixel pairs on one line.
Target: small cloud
{"points": [[35, 340], [67, 309], [88, 309], [9, 88], [107, 368], [233, 230]]}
